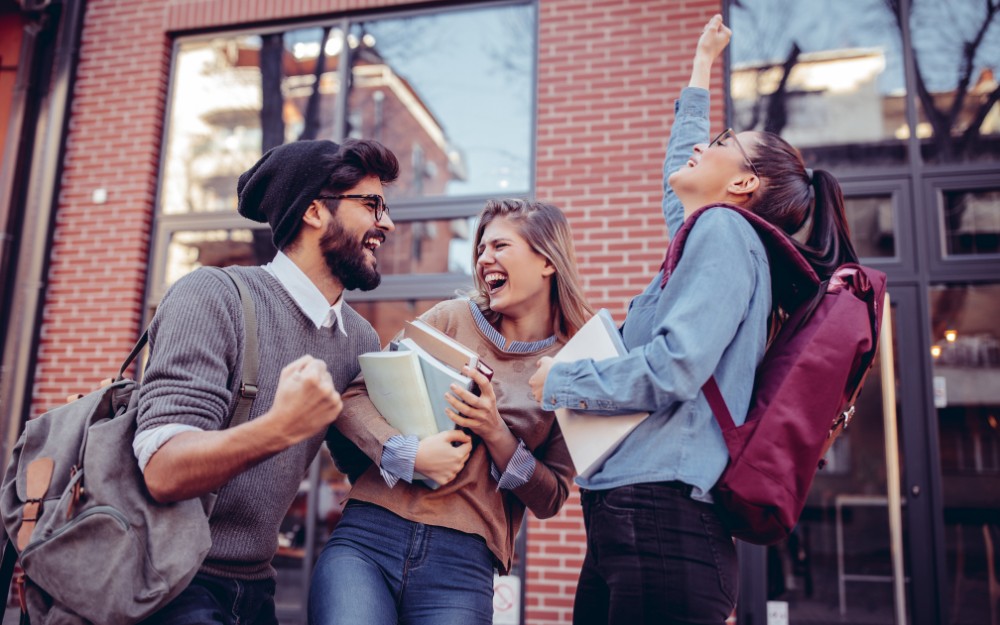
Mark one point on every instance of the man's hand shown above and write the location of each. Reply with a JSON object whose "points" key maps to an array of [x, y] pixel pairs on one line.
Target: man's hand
{"points": [[441, 456], [537, 381], [305, 401]]}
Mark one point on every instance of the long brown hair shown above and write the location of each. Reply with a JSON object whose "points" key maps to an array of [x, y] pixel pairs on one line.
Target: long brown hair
{"points": [[790, 196], [546, 230]]}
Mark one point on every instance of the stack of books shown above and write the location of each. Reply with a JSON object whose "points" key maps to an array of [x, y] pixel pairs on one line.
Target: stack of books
{"points": [[408, 383]]}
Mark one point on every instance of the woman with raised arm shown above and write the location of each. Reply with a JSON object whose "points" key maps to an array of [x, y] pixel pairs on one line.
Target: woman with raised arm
{"points": [[403, 553], [657, 551]]}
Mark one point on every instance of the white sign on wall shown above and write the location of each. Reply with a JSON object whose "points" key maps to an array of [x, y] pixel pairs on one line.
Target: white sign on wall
{"points": [[506, 600]]}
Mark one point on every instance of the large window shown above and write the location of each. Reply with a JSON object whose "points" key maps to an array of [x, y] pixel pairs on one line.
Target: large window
{"points": [[827, 76], [450, 92]]}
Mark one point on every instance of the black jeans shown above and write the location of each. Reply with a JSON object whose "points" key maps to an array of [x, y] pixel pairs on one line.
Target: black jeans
{"points": [[654, 555], [220, 601]]}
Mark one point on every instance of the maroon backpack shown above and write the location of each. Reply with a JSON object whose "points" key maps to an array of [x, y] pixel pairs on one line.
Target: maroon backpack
{"points": [[805, 387]]}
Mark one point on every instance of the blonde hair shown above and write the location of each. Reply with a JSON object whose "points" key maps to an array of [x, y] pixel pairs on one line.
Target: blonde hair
{"points": [[546, 230]]}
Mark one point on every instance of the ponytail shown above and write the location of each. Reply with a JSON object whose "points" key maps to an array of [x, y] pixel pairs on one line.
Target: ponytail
{"points": [[829, 242], [791, 197]]}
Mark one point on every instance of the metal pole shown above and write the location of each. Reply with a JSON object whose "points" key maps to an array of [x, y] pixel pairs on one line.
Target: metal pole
{"points": [[894, 486]]}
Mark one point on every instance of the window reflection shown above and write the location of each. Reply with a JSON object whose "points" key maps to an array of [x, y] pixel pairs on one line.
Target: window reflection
{"points": [[827, 76], [872, 223], [188, 250], [449, 93], [971, 221], [957, 46]]}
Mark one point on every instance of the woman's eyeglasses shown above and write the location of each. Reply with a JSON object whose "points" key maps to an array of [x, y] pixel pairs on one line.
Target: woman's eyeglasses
{"points": [[729, 134], [375, 203]]}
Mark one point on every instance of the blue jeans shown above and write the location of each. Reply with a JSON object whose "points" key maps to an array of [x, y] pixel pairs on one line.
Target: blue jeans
{"points": [[654, 555], [218, 600], [380, 569]]}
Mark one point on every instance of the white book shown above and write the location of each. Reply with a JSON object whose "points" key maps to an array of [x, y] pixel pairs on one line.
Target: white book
{"points": [[395, 384], [438, 378], [591, 438]]}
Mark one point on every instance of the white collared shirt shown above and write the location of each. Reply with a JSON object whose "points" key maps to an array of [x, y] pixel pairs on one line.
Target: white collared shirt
{"points": [[305, 293], [310, 301]]}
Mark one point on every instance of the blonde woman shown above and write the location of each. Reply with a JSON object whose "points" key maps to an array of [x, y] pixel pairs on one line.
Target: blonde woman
{"points": [[404, 553]]}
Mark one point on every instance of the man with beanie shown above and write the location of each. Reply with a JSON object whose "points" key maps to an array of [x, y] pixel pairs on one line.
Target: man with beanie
{"points": [[325, 206]]}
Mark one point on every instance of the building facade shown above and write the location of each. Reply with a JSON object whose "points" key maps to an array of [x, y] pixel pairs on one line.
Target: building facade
{"points": [[125, 126]]}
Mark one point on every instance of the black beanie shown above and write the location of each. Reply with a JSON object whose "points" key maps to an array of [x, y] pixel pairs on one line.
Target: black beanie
{"points": [[280, 186]]}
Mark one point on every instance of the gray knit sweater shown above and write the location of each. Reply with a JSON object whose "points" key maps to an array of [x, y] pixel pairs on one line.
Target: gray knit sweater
{"points": [[196, 346]]}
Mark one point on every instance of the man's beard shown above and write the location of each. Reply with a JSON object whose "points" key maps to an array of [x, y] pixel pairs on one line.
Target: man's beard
{"points": [[346, 258]]}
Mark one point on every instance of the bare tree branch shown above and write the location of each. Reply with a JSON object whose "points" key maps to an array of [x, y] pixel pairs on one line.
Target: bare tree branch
{"points": [[272, 121], [777, 103], [310, 128]]}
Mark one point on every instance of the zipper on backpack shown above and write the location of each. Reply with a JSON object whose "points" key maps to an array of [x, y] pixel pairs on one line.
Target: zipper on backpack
{"points": [[106, 510]]}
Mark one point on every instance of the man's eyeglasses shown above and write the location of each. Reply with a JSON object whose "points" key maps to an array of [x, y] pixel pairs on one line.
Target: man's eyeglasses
{"points": [[375, 203], [727, 134]]}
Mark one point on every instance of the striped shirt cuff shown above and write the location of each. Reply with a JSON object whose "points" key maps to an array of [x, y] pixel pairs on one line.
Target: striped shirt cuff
{"points": [[520, 468], [398, 457]]}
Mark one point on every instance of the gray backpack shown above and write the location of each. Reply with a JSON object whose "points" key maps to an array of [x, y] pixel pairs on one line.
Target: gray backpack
{"points": [[93, 544]]}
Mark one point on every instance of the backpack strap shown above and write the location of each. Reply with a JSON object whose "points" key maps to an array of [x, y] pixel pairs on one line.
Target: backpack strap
{"points": [[793, 279], [7, 569], [251, 354], [718, 405]]}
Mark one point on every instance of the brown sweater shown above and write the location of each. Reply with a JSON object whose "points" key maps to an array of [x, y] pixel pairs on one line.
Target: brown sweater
{"points": [[471, 503]]}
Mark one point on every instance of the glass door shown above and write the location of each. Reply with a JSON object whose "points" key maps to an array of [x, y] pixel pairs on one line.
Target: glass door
{"points": [[965, 356]]}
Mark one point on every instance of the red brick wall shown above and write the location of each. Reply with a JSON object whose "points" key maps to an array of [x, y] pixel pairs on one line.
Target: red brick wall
{"points": [[608, 72]]}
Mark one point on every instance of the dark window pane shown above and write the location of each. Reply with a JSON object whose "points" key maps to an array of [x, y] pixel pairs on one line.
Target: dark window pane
{"points": [[873, 227], [957, 45], [826, 76], [971, 221], [451, 94], [965, 355]]}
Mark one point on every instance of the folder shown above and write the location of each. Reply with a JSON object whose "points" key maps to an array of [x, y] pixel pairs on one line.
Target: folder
{"points": [[591, 438]]}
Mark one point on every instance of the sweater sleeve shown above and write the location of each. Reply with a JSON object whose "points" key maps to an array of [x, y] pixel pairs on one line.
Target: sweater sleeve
{"points": [[362, 423], [547, 489], [698, 314], [194, 348]]}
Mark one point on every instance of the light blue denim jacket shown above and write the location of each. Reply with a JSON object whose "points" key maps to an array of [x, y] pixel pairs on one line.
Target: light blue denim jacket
{"points": [[710, 319]]}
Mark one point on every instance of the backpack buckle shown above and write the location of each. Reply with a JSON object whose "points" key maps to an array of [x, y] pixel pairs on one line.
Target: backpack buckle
{"points": [[847, 415], [248, 390], [22, 600]]}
